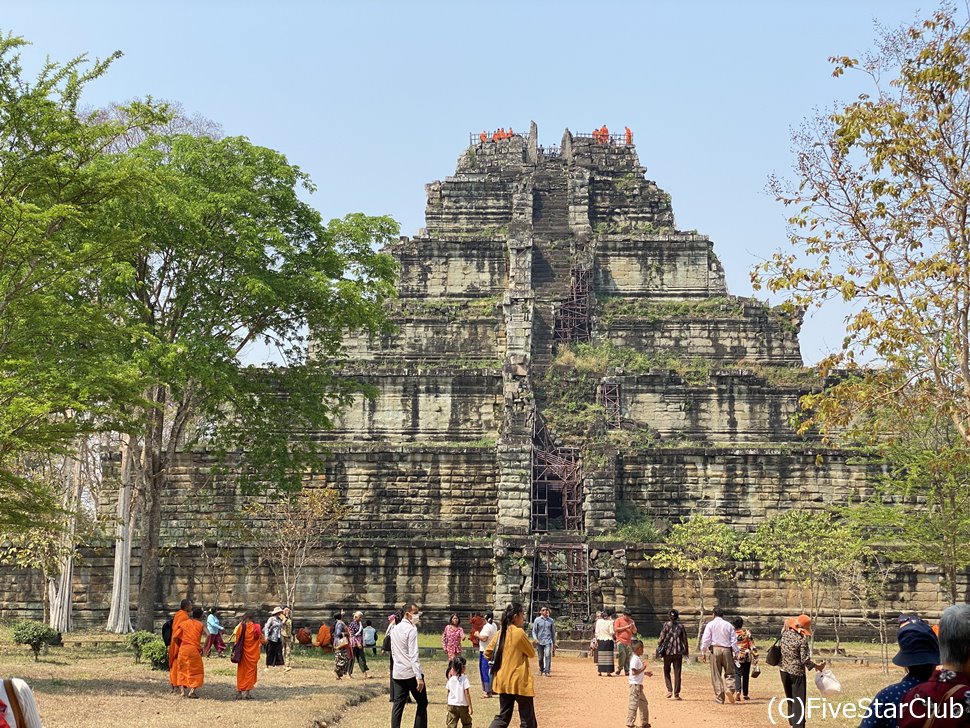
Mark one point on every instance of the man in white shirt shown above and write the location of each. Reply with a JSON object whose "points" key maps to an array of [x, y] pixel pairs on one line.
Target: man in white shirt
{"points": [[720, 646], [407, 678], [485, 635]]}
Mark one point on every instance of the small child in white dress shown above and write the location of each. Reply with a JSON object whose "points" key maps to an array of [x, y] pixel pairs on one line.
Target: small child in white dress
{"points": [[459, 697]]}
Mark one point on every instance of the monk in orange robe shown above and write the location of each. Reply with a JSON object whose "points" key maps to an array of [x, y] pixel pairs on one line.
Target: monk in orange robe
{"points": [[188, 638], [185, 607], [252, 642], [483, 137], [629, 135], [325, 639]]}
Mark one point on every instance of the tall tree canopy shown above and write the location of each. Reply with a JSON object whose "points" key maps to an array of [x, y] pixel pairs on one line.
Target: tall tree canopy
{"points": [[227, 255], [880, 220], [64, 364]]}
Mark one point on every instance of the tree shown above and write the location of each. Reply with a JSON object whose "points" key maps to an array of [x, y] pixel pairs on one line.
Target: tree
{"points": [[920, 506], [228, 254], [65, 365], [702, 548], [880, 220], [291, 531], [51, 547], [815, 550]]}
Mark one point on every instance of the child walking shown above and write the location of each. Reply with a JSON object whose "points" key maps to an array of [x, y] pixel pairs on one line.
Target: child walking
{"points": [[638, 701], [459, 697]]}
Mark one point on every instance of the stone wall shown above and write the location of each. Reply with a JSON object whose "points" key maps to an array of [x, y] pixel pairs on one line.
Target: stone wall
{"points": [[459, 333], [374, 576], [417, 491], [430, 406], [748, 332], [763, 599], [462, 268], [729, 407], [662, 266], [743, 486]]}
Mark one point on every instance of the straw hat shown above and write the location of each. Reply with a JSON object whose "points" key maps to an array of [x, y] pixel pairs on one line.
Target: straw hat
{"points": [[803, 625], [278, 610]]}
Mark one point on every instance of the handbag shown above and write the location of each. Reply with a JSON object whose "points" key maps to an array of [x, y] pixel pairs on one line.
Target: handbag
{"points": [[237, 649], [341, 643], [773, 656], [755, 670], [828, 685]]}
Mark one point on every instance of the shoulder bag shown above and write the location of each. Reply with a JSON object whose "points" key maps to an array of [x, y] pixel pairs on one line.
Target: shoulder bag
{"points": [[773, 656], [237, 649]]}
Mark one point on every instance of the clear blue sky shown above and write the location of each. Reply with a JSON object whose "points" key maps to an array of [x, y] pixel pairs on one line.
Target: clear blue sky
{"points": [[374, 99]]}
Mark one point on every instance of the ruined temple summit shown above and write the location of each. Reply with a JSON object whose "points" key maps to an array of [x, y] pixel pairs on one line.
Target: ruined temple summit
{"points": [[565, 366]]}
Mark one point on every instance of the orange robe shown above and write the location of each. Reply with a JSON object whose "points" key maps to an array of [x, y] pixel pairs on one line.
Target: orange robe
{"points": [[249, 661], [173, 650], [188, 637], [324, 639]]}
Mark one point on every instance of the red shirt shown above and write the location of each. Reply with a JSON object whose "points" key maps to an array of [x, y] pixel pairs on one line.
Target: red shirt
{"points": [[927, 699], [625, 628]]}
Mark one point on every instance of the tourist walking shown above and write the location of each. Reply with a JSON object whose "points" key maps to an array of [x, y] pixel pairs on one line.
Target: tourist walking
{"points": [[273, 630], [451, 637], [720, 646], [672, 648], [459, 695], [485, 635], [948, 689], [795, 657], [343, 652], [544, 637], [637, 701], [604, 635], [407, 677], [187, 640], [510, 654], [624, 628], [919, 653], [356, 631], [747, 657], [287, 633], [214, 628], [247, 643], [392, 619]]}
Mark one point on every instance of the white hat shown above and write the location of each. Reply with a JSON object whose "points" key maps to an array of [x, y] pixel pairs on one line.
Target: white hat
{"points": [[278, 610]]}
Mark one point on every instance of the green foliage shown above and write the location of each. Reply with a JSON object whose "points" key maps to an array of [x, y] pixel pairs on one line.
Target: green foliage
{"points": [[597, 360], [633, 527], [813, 549], [878, 220], [67, 368], [703, 549], [921, 503], [138, 641], [35, 634], [156, 654]]}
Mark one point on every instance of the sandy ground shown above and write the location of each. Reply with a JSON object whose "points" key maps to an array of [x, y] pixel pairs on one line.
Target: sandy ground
{"points": [[574, 697], [112, 692]]}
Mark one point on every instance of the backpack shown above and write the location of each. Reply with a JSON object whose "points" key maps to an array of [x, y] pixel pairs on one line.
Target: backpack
{"points": [[167, 633]]}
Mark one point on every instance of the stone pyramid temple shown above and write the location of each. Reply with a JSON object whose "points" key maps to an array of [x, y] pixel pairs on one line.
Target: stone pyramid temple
{"points": [[566, 376], [566, 363]]}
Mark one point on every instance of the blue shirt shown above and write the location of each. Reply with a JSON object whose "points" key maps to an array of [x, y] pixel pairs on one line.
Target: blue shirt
{"points": [[878, 715], [544, 631], [370, 636], [213, 624]]}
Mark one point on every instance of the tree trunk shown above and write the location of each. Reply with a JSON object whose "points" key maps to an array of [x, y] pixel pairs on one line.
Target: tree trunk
{"points": [[700, 615], [152, 465], [119, 618], [59, 584]]}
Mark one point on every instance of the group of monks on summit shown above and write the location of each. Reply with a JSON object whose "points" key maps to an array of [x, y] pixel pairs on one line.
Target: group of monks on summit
{"points": [[601, 135]]}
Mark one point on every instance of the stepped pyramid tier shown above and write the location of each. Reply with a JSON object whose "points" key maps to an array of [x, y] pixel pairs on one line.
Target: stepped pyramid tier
{"points": [[566, 370]]}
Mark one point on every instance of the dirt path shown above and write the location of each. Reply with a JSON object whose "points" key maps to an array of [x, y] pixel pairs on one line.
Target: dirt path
{"points": [[574, 697]]}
